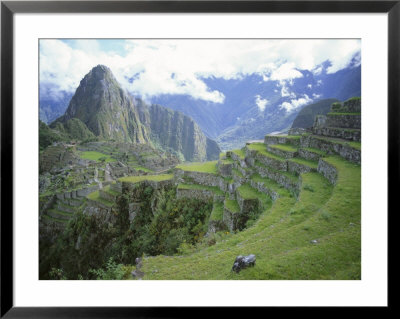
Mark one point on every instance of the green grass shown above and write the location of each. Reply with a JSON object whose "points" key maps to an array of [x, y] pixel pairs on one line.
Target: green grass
{"points": [[226, 161], [95, 196], [314, 150], [281, 237], [236, 172], [214, 189], [289, 175], [284, 147], [355, 145], [248, 192], [232, 205], [206, 167], [142, 168], [241, 153], [218, 211], [141, 178], [107, 189], [271, 184], [95, 156], [262, 149], [302, 161]]}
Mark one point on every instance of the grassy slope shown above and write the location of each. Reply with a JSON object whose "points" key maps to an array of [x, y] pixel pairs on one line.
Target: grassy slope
{"points": [[281, 238], [155, 178], [206, 167], [95, 156]]}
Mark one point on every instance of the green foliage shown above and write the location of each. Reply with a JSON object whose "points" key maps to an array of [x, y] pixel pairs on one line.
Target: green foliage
{"points": [[48, 136], [112, 271], [94, 248], [96, 156], [206, 167]]}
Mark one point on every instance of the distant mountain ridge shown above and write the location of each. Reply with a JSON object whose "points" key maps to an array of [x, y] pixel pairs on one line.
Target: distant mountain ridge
{"points": [[101, 108], [240, 117], [305, 118]]}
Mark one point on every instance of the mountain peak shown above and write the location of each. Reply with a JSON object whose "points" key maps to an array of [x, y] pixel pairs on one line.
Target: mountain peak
{"points": [[98, 73]]}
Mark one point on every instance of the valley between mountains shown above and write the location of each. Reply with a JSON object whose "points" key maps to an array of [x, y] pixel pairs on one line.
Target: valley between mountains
{"points": [[132, 189]]}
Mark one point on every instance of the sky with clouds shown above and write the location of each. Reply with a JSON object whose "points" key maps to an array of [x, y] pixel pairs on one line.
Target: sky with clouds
{"points": [[152, 67]]}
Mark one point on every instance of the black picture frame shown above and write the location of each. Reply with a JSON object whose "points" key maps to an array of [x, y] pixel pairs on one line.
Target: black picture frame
{"points": [[9, 8]]}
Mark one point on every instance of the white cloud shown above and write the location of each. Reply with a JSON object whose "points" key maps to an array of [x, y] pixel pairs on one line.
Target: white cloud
{"points": [[154, 61], [261, 103], [285, 91], [296, 103], [309, 86], [316, 96]]}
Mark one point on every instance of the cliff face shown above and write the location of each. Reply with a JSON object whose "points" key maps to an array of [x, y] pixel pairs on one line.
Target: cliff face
{"points": [[104, 107], [101, 105], [174, 130]]}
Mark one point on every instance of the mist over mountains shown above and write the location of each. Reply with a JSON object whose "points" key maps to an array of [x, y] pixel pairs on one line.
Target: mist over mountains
{"points": [[252, 107]]}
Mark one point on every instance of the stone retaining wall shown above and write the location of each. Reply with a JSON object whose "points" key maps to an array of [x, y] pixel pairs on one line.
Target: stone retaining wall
{"points": [[281, 153], [274, 163], [309, 155], [343, 120], [206, 179], [201, 194], [216, 225], [260, 186], [299, 168], [107, 196], [77, 193], [347, 134], [330, 147], [328, 171]]}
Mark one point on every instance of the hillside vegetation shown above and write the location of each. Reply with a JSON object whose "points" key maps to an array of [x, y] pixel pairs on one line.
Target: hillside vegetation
{"points": [[292, 201]]}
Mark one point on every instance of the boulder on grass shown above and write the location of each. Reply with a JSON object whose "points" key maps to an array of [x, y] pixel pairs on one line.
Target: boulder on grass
{"points": [[242, 262]]}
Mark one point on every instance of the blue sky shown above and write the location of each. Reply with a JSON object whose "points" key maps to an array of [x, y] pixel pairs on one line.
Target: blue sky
{"points": [[180, 66]]}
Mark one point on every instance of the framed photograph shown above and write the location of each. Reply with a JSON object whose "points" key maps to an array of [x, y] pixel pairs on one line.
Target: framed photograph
{"points": [[164, 154]]}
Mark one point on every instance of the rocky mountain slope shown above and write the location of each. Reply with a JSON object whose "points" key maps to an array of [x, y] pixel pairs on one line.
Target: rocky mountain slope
{"points": [[177, 132], [254, 107], [104, 107], [305, 118], [101, 108]]}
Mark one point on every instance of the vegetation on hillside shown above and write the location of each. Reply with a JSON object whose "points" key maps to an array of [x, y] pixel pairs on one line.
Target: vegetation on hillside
{"points": [[305, 118]]}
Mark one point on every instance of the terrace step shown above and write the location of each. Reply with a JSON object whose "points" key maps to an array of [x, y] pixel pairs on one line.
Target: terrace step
{"points": [[283, 150], [95, 197], [108, 194], [282, 139], [268, 186], [55, 213], [344, 133], [198, 191], [301, 165], [116, 187], [343, 120], [75, 202], [58, 221], [286, 179], [231, 214], [350, 151], [65, 208], [259, 153], [311, 154], [216, 222]]}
